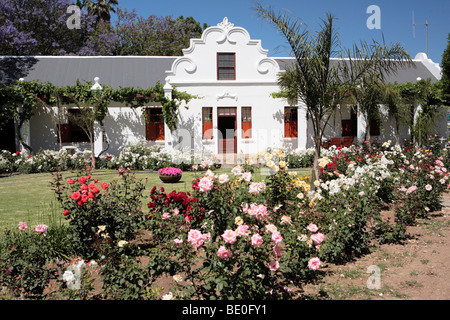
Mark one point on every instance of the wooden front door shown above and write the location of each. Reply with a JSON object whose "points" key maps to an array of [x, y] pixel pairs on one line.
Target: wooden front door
{"points": [[226, 122]]}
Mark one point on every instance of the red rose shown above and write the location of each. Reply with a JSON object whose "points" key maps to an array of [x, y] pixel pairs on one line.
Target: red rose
{"points": [[76, 196], [96, 180], [70, 181], [96, 190], [80, 203], [82, 180], [104, 185], [91, 195], [84, 187], [92, 186], [66, 213], [84, 198]]}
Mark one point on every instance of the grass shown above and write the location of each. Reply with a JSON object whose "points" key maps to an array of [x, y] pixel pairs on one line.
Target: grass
{"points": [[29, 197]]}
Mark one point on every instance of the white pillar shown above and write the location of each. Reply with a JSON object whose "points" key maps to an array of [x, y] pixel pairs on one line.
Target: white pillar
{"points": [[302, 129]]}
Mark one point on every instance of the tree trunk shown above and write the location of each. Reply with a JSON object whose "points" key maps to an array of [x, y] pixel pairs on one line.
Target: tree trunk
{"points": [[92, 155], [397, 135], [368, 135], [315, 173], [104, 139]]}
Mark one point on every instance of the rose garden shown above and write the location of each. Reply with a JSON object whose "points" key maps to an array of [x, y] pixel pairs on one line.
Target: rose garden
{"points": [[236, 234]]}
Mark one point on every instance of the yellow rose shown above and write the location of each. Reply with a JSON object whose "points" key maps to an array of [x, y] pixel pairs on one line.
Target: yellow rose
{"points": [[238, 221]]}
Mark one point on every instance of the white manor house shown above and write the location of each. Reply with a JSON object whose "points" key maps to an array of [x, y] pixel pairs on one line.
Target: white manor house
{"points": [[232, 75]]}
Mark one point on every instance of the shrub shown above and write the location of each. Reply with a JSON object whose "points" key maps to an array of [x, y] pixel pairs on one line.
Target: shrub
{"points": [[25, 256], [100, 211]]}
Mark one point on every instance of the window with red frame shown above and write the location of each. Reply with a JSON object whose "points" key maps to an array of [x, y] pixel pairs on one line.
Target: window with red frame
{"points": [[71, 132], [207, 122], [246, 122], [154, 124], [290, 122]]}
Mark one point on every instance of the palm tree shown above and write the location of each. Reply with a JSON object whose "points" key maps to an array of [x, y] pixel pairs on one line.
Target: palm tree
{"points": [[395, 106], [101, 8], [368, 95], [318, 80]]}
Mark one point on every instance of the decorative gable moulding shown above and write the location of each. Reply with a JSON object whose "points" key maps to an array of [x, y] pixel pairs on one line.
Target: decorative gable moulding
{"points": [[227, 94], [198, 65]]}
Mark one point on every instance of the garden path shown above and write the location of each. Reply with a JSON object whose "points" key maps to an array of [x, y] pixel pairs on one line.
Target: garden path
{"points": [[419, 269]]}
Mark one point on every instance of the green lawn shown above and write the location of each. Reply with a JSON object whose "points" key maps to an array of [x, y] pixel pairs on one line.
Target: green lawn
{"points": [[29, 197]]}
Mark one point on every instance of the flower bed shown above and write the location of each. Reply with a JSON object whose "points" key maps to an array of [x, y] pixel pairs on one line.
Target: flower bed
{"points": [[233, 237]]}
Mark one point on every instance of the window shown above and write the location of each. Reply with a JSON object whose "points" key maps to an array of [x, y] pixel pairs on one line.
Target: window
{"points": [[290, 122], [350, 127], [246, 122], [226, 66], [71, 132], [374, 128], [207, 121], [154, 124]]}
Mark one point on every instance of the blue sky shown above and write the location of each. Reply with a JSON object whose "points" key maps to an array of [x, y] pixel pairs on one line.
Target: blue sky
{"points": [[396, 19]]}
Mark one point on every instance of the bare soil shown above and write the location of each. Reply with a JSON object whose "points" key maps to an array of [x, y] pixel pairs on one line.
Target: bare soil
{"points": [[418, 269]]}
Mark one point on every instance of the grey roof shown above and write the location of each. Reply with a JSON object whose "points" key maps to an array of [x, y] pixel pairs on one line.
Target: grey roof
{"points": [[119, 71], [402, 75], [139, 72]]}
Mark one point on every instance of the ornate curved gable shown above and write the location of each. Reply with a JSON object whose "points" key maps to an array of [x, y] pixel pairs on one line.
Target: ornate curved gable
{"points": [[199, 62]]}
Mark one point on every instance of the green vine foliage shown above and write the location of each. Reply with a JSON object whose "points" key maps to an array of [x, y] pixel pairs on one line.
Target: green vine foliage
{"points": [[20, 99]]}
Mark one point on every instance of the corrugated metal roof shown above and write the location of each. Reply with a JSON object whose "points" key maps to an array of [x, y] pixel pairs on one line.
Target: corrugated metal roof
{"points": [[117, 71], [409, 74], [143, 72]]}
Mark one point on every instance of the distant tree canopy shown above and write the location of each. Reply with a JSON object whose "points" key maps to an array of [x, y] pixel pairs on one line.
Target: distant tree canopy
{"points": [[38, 27], [446, 72], [154, 36]]}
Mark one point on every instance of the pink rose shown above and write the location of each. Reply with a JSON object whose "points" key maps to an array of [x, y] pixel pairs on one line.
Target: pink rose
{"points": [[176, 211], [42, 228], [277, 251], [412, 189], [23, 226], [178, 241], [312, 227], [255, 188], [428, 187], [276, 237], [314, 264], [257, 240], [223, 252], [205, 184], [317, 238], [197, 238], [274, 265], [229, 236], [259, 211], [271, 228], [242, 230], [166, 215], [247, 176]]}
